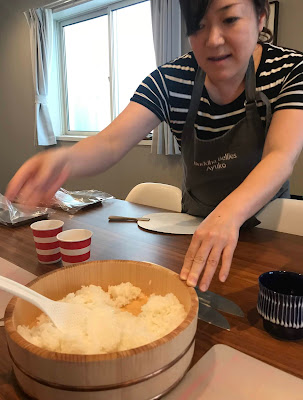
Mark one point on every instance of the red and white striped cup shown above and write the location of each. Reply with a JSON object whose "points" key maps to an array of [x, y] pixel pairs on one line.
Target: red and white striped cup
{"points": [[75, 245], [45, 236]]}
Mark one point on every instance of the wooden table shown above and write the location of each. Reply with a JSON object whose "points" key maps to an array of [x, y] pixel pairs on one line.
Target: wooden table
{"points": [[258, 251]]}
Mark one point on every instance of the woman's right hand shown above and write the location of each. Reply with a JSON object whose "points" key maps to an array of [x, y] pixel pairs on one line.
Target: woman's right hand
{"points": [[42, 175], [39, 178]]}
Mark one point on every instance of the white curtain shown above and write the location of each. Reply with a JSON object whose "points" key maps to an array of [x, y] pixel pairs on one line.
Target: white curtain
{"points": [[166, 22], [40, 23]]}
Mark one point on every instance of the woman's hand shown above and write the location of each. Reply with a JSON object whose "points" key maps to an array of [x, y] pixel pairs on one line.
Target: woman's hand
{"points": [[39, 178], [218, 233], [216, 236]]}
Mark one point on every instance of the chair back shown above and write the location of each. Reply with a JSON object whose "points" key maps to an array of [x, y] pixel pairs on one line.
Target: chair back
{"points": [[282, 215], [158, 195]]}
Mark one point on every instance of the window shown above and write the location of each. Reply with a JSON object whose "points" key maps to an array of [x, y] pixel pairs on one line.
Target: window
{"points": [[104, 55]]}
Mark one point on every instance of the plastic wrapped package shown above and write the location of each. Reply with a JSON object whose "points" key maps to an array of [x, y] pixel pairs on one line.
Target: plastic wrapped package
{"points": [[73, 201], [12, 214]]}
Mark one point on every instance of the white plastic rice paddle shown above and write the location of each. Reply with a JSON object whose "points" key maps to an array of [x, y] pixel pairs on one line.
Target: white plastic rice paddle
{"points": [[65, 316]]}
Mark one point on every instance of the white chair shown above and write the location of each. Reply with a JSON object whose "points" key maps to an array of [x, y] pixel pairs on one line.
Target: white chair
{"points": [[158, 195], [282, 215]]}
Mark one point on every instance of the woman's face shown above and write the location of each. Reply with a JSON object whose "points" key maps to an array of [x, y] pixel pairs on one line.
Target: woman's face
{"points": [[227, 38]]}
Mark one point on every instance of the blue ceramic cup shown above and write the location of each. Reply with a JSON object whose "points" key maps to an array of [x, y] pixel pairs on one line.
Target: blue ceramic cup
{"points": [[280, 303]]}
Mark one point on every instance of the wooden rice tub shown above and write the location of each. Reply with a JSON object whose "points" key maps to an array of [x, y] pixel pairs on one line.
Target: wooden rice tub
{"points": [[146, 372]]}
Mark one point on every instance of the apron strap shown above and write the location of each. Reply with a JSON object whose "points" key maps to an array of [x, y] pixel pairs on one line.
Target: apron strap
{"points": [[250, 93], [250, 90], [262, 97], [250, 82], [195, 98]]}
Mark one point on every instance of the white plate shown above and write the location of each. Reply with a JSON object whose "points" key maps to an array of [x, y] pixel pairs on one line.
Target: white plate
{"points": [[178, 223], [224, 373]]}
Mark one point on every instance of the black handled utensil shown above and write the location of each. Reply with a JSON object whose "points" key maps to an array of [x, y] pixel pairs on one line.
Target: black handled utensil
{"points": [[118, 218]]}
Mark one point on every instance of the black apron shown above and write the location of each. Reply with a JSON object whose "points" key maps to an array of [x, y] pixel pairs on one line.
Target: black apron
{"points": [[213, 168]]}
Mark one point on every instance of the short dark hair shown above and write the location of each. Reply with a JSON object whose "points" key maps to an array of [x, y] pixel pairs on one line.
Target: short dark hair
{"points": [[194, 10]]}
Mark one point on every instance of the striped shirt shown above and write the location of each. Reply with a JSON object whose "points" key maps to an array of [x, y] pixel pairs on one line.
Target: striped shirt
{"points": [[167, 92]]}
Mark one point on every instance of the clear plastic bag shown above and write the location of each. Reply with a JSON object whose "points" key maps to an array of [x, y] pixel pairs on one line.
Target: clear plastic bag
{"points": [[73, 201], [12, 214]]}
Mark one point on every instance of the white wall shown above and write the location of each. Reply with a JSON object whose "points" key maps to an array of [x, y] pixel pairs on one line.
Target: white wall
{"points": [[290, 34], [17, 107]]}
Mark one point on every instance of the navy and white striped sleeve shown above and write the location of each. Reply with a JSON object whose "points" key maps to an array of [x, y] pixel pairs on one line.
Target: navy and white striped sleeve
{"points": [[152, 94], [291, 94]]}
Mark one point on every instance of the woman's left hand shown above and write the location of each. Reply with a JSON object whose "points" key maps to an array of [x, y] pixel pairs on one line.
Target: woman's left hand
{"points": [[216, 236]]}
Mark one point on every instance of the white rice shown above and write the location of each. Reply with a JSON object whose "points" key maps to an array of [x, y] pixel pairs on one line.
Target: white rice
{"points": [[108, 328]]}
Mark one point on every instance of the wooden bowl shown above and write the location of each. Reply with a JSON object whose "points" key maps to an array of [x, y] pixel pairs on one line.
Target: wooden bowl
{"points": [[146, 372]]}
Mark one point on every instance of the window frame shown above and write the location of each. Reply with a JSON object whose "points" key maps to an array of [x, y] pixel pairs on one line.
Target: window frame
{"points": [[59, 46]]}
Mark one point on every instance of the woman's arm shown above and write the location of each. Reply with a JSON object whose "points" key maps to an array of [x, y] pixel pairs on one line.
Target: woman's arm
{"points": [[217, 235], [98, 153], [42, 175]]}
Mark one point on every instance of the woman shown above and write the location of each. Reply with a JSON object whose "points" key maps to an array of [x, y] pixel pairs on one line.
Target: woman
{"points": [[236, 156]]}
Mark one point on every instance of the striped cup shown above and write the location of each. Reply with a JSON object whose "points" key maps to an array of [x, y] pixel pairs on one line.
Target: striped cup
{"points": [[45, 236], [75, 245]]}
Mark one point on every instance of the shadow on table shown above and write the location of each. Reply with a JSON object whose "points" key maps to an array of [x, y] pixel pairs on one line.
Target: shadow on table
{"points": [[9, 389], [251, 317]]}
